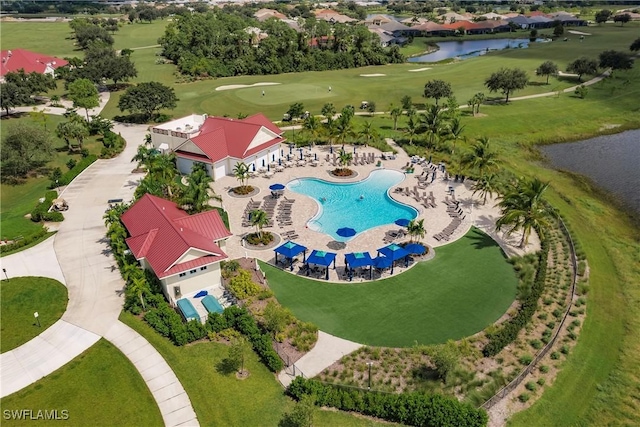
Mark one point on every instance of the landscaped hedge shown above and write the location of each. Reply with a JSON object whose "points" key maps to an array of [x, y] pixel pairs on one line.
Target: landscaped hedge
{"points": [[24, 242], [510, 329], [68, 176], [241, 320], [41, 211], [414, 409]]}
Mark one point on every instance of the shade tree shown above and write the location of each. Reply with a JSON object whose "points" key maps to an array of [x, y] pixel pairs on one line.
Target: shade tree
{"points": [[547, 68], [507, 80], [147, 98], [616, 60], [24, 148], [437, 89], [84, 94], [582, 66], [622, 19]]}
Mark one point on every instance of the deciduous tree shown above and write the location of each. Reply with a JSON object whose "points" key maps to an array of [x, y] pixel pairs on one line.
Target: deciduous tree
{"points": [[84, 94], [603, 16], [547, 68], [24, 148], [507, 80], [622, 19], [147, 98], [616, 60], [583, 66], [437, 89]]}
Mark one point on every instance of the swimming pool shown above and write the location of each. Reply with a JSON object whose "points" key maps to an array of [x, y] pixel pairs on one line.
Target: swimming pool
{"points": [[359, 205]]}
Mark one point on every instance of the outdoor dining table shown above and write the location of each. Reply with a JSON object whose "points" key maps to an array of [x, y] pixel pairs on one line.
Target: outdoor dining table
{"points": [[279, 168], [262, 170]]}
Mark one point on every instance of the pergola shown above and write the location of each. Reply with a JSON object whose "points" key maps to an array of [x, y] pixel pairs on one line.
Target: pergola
{"points": [[394, 253], [289, 250], [323, 259], [358, 259]]}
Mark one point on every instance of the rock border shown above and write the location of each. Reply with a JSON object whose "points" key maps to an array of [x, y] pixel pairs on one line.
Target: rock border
{"points": [[255, 192], [277, 239]]}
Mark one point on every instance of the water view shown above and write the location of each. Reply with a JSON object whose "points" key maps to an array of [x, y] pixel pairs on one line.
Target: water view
{"points": [[612, 162], [470, 48]]}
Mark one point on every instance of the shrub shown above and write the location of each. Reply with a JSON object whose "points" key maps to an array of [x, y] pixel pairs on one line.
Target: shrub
{"points": [[555, 355], [276, 317], [531, 386], [525, 359], [414, 409], [544, 369], [524, 397], [23, 242], [564, 349], [71, 163], [541, 381], [243, 189], [258, 239], [68, 176], [537, 344], [242, 286]]}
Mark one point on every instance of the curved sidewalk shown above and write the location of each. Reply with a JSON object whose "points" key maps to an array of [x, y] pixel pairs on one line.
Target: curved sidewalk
{"points": [[95, 289]]}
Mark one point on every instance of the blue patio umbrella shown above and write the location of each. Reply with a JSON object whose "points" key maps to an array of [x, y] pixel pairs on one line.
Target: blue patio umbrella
{"points": [[253, 165], [280, 161], [300, 153], [415, 248], [346, 232], [288, 157], [268, 167], [281, 153], [331, 149], [315, 156], [276, 187], [290, 148], [382, 262], [263, 163], [201, 294], [402, 222]]}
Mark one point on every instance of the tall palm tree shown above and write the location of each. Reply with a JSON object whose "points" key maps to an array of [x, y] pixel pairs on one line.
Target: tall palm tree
{"points": [[368, 132], [412, 129], [485, 186], [241, 172], [523, 208], [144, 156], [149, 186], [313, 126], [259, 219], [344, 130], [395, 113], [331, 130], [455, 131], [198, 192], [481, 157], [163, 169], [416, 229], [433, 123]]}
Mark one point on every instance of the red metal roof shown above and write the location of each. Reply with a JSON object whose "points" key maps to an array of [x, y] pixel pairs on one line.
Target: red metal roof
{"points": [[222, 137], [162, 234], [15, 59]]}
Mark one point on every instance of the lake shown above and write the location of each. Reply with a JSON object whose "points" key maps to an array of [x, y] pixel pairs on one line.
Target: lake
{"points": [[612, 162], [470, 48]]}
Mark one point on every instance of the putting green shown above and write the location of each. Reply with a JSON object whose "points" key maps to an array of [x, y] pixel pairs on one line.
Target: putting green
{"points": [[465, 288], [282, 94]]}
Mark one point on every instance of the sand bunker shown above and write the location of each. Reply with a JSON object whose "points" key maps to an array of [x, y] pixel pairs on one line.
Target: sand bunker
{"points": [[229, 87], [580, 33], [372, 75], [563, 74], [419, 69]]}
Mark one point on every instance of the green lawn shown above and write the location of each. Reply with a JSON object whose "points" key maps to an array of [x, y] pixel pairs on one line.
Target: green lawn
{"points": [[18, 200], [20, 297], [221, 399], [98, 388], [466, 287]]}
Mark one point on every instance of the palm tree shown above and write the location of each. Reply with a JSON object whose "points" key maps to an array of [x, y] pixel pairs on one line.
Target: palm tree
{"points": [[163, 169], [395, 113], [485, 186], [433, 123], [416, 229], [259, 219], [139, 285], [344, 130], [72, 130], [331, 130], [368, 132], [455, 131], [241, 172], [149, 186], [313, 126], [482, 157], [523, 208], [144, 156], [412, 129], [198, 191], [345, 157]]}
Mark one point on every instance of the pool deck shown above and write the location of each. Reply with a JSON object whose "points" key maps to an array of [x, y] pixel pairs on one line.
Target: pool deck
{"points": [[304, 208]]}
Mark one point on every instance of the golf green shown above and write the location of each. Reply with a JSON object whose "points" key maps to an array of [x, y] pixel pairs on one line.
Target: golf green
{"points": [[282, 93], [465, 288]]}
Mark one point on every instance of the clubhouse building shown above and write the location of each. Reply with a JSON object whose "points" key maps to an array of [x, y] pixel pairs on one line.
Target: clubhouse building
{"points": [[220, 142]]}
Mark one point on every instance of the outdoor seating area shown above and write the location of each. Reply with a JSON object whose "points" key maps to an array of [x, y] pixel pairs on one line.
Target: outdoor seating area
{"points": [[284, 213], [457, 215]]}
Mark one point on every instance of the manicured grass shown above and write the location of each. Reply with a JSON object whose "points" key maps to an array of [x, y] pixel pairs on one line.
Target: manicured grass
{"points": [[51, 38], [19, 199], [98, 388], [221, 399], [466, 287], [20, 297]]}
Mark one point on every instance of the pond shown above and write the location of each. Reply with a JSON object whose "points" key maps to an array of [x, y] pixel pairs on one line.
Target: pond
{"points": [[612, 162], [470, 48]]}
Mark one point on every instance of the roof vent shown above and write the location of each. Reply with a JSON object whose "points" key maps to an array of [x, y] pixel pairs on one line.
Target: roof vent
{"points": [[9, 53], [181, 229]]}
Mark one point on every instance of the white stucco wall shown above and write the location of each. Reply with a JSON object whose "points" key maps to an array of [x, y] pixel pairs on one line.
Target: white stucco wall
{"points": [[192, 282]]}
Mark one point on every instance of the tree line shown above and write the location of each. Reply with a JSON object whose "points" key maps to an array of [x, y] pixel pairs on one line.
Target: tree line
{"points": [[220, 43]]}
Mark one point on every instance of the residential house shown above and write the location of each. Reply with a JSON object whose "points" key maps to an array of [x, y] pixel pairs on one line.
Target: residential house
{"points": [[219, 142], [183, 251], [332, 16]]}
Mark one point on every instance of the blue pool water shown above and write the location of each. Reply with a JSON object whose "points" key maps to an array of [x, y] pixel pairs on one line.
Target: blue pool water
{"points": [[359, 205]]}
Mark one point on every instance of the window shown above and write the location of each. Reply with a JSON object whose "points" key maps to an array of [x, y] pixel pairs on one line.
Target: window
{"points": [[182, 274], [192, 271], [203, 268]]}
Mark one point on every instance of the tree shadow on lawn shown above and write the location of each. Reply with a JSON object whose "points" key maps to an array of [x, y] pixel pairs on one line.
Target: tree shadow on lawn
{"points": [[482, 240], [225, 367]]}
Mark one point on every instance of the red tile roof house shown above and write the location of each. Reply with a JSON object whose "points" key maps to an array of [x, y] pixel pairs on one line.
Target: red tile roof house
{"points": [[220, 143], [15, 59], [184, 251]]}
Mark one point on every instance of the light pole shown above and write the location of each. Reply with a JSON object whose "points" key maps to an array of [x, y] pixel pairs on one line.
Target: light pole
{"points": [[369, 365], [37, 316], [4, 270]]}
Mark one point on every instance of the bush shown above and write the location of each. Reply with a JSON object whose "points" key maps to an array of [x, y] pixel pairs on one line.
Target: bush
{"points": [[71, 163], [68, 176], [544, 369], [555, 355], [541, 381], [531, 386], [241, 286], [512, 327], [168, 323], [526, 359], [414, 409], [524, 397], [113, 144], [23, 242], [40, 212], [537, 344], [258, 239]]}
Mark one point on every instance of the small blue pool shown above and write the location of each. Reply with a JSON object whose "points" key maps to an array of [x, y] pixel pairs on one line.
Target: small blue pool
{"points": [[211, 304], [188, 310], [359, 205]]}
